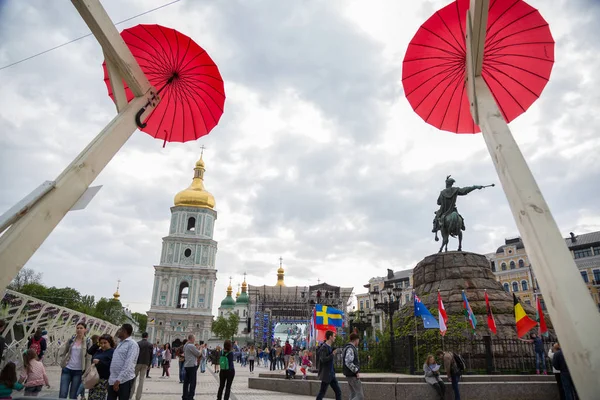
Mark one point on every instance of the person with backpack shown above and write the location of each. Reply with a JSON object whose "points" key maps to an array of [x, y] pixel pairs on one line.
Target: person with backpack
{"points": [[37, 343], [454, 366], [227, 372], [352, 368]]}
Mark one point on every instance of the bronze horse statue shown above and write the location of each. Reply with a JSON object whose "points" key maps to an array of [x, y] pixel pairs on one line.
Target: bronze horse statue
{"points": [[447, 219]]}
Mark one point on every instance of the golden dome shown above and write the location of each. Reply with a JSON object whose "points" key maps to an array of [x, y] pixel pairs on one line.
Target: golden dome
{"points": [[116, 294], [280, 273], [195, 195], [238, 292]]}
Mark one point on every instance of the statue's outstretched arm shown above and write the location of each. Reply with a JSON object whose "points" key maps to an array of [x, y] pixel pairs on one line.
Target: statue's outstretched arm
{"points": [[468, 189]]}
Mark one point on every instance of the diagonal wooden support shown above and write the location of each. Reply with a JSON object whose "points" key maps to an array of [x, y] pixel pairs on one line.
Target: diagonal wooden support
{"points": [[573, 313], [25, 236], [113, 45]]}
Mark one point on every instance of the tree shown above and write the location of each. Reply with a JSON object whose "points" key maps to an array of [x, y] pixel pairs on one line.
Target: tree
{"points": [[226, 328], [87, 305], [36, 290], [64, 297], [24, 277], [141, 319], [110, 310]]}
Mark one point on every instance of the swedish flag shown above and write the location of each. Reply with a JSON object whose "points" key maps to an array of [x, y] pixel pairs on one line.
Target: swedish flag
{"points": [[328, 316]]}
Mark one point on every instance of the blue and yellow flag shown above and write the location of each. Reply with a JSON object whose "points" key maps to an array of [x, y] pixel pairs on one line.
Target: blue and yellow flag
{"points": [[328, 316]]}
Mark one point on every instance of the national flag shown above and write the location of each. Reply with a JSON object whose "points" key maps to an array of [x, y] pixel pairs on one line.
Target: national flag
{"points": [[442, 316], [328, 316], [524, 323], [421, 311], [468, 312], [151, 320], [540, 318], [490, 317]]}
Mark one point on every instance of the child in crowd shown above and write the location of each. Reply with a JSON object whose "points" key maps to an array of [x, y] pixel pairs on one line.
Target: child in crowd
{"points": [[8, 381], [34, 374], [306, 364]]}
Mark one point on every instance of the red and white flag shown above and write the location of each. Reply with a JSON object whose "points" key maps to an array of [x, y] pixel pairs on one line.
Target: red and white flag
{"points": [[443, 317]]}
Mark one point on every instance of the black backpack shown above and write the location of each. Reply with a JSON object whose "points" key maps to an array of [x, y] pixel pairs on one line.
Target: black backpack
{"points": [[459, 363]]}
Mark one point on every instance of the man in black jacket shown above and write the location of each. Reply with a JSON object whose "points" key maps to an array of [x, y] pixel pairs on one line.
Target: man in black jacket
{"points": [[352, 368], [558, 362], [326, 369]]}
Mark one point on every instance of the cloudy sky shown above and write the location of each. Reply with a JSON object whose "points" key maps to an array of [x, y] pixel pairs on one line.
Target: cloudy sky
{"points": [[318, 158]]}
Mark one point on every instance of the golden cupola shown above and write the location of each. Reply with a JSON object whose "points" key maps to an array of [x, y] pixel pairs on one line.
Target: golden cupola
{"points": [[116, 294], [280, 273], [196, 195]]}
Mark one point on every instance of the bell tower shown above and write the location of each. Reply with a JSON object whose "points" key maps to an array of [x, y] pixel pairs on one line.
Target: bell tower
{"points": [[185, 277]]}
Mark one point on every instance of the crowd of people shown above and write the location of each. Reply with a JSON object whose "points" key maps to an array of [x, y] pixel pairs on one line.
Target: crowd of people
{"points": [[116, 368]]}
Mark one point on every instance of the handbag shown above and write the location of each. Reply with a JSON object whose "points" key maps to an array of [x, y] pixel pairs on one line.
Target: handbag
{"points": [[90, 377]]}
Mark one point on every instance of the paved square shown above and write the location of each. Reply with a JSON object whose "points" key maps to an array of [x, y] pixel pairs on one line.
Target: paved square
{"points": [[157, 388]]}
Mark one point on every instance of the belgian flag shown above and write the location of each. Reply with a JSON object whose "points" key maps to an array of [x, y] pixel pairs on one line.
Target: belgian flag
{"points": [[524, 323]]}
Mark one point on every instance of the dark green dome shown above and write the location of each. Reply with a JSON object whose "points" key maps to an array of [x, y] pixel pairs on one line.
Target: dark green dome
{"points": [[243, 299], [228, 302]]}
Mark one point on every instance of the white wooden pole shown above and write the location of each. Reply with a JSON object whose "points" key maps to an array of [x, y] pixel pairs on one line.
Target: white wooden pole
{"points": [[25, 236], [573, 313]]}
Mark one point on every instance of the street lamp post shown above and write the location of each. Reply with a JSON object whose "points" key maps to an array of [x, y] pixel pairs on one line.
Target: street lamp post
{"points": [[357, 321], [390, 303]]}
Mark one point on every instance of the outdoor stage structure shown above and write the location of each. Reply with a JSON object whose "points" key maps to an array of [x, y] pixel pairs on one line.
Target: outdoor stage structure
{"points": [[24, 314], [272, 306], [494, 58]]}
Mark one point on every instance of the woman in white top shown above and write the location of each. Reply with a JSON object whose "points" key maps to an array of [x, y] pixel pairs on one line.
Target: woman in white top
{"points": [[432, 376], [74, 361]]}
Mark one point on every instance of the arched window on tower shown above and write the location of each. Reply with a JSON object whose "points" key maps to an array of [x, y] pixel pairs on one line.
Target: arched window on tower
{"points": [[524, 285], [506, 287], [515, 286], [521, 263], [512, 265], [182, 299], [503, 266], [191, 226]]}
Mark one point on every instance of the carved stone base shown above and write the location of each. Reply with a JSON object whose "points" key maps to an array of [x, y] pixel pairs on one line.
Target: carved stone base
{"points": [[453, 272]]}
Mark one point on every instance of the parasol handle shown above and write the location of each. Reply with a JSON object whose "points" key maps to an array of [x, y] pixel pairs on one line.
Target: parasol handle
{"points": [[138, 117]]}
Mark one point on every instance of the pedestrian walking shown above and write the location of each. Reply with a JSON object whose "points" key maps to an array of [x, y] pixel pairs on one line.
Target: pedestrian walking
{"points": [[142, 367], [287, 352], [102, 354], [191, 353], [452, 371], [227, 372], [555, 347], [74, 362], [326, 368], [203, 357], [123, 365], [251, 358], [181, 361], [215, 355], [432, 376], [351, 368], [166, 364], [38, 343]]}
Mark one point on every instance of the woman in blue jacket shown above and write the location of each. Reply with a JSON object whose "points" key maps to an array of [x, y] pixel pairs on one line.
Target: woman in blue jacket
{"points": [[102, 354]]}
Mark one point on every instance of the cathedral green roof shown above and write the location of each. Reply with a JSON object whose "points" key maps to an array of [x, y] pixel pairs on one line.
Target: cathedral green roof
{"points": [[228, 302], [243, 299]]}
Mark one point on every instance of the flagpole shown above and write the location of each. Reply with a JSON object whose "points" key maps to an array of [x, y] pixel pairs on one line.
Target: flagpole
{"points": [[416, 330]]}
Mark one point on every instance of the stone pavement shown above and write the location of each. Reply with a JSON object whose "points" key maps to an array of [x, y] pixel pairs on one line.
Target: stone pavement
{"points": [[156, 388]]}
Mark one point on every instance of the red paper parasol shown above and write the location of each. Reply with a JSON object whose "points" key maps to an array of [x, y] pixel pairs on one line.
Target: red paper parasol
{"points": [[518, 59], [187, 79]]}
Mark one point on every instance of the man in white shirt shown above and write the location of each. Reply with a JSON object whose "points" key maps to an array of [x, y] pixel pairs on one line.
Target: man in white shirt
{"points": [[122, 366]]}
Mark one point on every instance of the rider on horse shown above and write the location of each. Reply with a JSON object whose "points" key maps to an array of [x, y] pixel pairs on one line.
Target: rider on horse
{"points": [[447, 203]]}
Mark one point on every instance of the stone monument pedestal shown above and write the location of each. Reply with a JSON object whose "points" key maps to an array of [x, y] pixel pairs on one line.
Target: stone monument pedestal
{"points": [[455, 271]]}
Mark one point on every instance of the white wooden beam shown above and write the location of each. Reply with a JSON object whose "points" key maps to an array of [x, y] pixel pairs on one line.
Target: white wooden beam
{"points": [[24, 237], [113, 45], [116, 84], [470, 77], [479, 18], [574, 315]]}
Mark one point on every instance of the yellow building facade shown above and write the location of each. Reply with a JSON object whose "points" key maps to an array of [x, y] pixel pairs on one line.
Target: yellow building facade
{"points": [[513, 270]]}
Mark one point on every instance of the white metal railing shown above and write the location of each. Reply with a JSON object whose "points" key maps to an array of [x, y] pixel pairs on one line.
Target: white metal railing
{"points": [[24, 314]]}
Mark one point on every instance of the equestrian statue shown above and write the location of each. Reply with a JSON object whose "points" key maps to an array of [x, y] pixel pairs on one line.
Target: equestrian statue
{"points": [[447, 219]]}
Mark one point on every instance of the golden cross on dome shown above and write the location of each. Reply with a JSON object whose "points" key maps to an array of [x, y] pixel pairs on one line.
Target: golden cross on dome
{"points": [[202, 148], [318, 281], [244, 277], [280, 261], [230, 278]]}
